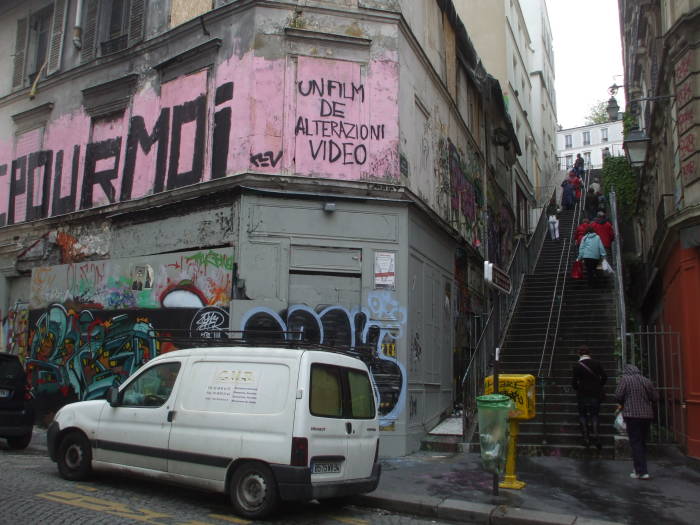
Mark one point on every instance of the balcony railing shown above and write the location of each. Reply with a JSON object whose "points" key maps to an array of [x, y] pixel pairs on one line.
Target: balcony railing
{"points": [[115, 44]]}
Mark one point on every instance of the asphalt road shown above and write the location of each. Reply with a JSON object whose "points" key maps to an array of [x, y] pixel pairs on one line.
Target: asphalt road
{"points": [[33, 493]]}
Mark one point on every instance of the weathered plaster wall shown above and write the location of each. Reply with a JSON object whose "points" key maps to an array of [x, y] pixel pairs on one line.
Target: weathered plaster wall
{"points": [[256, 110]]}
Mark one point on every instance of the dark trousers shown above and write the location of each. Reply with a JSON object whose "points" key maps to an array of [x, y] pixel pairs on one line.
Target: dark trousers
{"points": [[637, 431], [590, 270]]}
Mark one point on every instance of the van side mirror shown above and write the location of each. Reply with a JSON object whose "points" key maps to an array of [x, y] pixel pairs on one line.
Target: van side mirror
{"points": [[113, 396]]}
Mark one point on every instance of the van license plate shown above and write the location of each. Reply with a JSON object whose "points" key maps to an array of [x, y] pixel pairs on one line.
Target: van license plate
{"points": [[4, 393], [325, 468]]}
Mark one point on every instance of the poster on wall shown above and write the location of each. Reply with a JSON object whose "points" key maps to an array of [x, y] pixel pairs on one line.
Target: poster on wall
{"points": [[384, 270]]}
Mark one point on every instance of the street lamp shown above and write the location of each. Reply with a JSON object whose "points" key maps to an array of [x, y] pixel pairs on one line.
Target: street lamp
{"points": [[636, 144], [613, 109]]}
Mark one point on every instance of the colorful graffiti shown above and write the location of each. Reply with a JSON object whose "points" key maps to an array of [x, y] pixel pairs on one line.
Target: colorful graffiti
{"points": [[369, 332], [187, 279], [14, 329], [78, 354], [183, 132], [467, 198]]}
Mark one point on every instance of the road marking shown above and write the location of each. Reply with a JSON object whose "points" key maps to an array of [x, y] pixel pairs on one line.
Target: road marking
{"points": [[86, 487], [350, 521], [229, 518], [103, 505]]}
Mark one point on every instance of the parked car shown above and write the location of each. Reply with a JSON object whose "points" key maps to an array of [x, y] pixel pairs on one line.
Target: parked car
{"points": [[260, 424], [16, 412]]}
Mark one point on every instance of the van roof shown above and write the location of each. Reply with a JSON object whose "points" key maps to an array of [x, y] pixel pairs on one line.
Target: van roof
{"points": [[251, 351]]}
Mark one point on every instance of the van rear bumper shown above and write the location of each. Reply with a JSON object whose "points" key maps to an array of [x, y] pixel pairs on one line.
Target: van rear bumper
{"points": [[294, 484]]}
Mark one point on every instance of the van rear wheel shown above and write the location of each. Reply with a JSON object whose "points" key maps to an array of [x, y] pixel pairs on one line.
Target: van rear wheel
{"points": [[254, 490]]}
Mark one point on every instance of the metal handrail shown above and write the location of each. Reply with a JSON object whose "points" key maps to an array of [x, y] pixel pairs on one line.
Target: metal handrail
{"points": [[522, 261], [565, 248], [577, 219], [619, 288]]}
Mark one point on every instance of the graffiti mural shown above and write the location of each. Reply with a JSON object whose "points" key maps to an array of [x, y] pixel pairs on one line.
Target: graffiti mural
{"points": [[467, 198], [342, 118], [78, 354], [188, 279], [371, 332], [14, 330]]}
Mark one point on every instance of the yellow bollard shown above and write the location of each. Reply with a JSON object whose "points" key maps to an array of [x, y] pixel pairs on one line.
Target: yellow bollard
{"points": [[511, 480]]}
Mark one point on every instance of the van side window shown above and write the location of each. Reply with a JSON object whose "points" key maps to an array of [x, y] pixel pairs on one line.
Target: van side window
{"points": [[153, 387], [326, 391], [361, 398]]}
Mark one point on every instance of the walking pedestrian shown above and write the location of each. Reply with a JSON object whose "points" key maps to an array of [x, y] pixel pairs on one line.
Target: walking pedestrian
{"points": [[553, 219], [578, 165], [595, 185], [581, 230], [637, 397], [591, 204], [588, 379], [603, 227], [568, 193], [591, 250]]}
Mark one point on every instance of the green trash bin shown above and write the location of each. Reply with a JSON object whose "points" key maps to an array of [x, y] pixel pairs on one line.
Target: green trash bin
{"points": [[493, 430]]}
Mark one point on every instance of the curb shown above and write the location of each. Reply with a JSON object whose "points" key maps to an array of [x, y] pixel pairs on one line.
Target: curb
{"points": [[467, 511]]}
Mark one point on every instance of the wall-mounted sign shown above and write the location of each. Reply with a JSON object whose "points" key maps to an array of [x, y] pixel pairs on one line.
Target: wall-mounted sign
{"points": [[385, 270], [497, 277]]}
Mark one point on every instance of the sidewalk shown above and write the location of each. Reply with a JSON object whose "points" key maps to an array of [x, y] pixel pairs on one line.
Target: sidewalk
{"points": [[559, 490]]}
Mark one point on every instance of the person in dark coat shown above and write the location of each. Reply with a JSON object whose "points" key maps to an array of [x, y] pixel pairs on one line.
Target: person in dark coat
{"points": [[588, 379], [603, 227], [591, 204], [568, 194], [637, 396], [578, 165]]}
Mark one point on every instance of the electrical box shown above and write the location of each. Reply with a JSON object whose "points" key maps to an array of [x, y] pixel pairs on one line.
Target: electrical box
{"points": [[520, 388]]}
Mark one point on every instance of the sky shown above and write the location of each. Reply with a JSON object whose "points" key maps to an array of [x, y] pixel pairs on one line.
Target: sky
{"points": [[587, 56]]}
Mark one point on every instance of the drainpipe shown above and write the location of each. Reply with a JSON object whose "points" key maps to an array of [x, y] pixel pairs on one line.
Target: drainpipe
{"points": [[78, 26]]}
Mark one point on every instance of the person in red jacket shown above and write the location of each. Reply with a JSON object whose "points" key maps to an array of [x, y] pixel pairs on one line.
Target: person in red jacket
{"points": [[603, 227], [581, 230]]}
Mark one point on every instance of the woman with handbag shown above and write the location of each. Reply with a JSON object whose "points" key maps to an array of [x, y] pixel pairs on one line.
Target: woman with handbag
{"points": [[591, 251], [588, 379], [637, 396]]}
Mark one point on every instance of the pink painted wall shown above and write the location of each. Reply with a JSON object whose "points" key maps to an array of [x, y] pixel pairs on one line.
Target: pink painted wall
{"points": [[297, 116]]}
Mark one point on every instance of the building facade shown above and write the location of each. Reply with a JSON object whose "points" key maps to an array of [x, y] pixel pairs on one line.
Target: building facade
{"points": [[661, 55], [501, 36], [593, 142], [176, 166]]}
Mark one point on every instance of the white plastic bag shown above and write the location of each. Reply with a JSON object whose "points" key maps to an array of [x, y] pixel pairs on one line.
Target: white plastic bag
{"points": [[619, 423], [606, 266]]}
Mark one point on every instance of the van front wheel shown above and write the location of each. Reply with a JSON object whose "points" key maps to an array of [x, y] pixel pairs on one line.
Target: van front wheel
{"points": [[75, 457], [254, 491]]}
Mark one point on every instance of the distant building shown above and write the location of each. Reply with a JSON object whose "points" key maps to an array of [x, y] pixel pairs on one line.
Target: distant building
{"points": [[594, 142]]}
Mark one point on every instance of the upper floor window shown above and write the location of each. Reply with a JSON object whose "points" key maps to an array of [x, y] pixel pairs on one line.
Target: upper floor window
{"points": [[586, 138], [568, 142], [569, 162], [587, 159], [111, 25], [39, 43], [603, 134]]}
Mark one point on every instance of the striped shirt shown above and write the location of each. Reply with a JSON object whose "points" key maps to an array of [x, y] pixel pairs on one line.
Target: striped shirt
{"points": [[636, 394]]}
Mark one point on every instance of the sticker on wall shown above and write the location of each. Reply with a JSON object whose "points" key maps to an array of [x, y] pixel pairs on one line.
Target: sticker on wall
{"points": [[141, 277], [384, 270]]}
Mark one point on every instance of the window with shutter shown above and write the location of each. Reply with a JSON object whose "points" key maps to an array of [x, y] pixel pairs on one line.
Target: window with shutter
{"points": [[39, 39], [58, 28], [87, 52], [20, 52]]}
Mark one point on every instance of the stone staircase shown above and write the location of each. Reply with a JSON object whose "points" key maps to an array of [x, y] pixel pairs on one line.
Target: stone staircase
{"points": [[587, 317]]}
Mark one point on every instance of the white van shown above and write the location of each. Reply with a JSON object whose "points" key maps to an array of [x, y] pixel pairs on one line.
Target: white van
{"points": [[261, 424]]}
